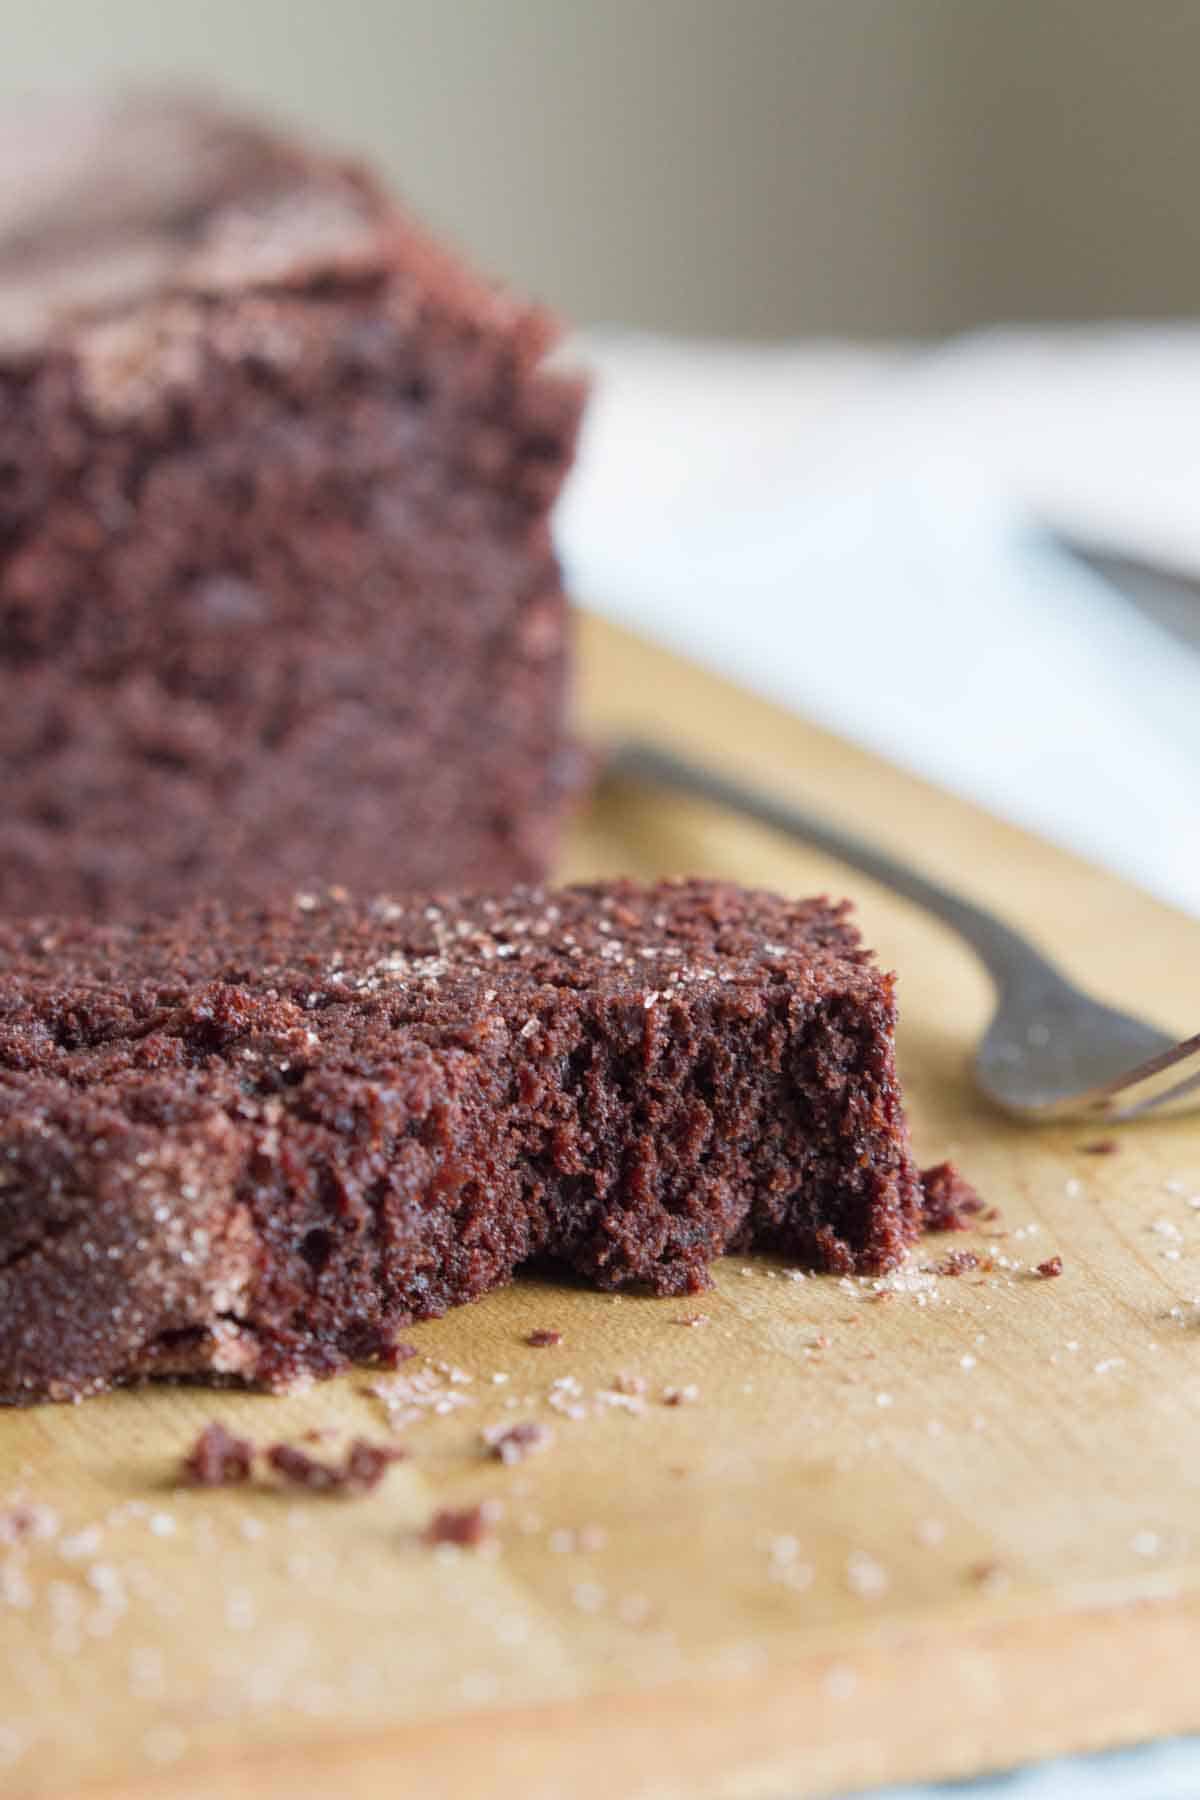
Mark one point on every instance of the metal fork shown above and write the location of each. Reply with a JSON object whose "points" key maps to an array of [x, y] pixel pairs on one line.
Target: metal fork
{"points": [[1050, 1051]]}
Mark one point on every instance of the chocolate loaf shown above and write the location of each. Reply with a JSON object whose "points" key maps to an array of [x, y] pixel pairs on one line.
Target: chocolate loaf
{"points": [[255, 1145], [278, 600]]}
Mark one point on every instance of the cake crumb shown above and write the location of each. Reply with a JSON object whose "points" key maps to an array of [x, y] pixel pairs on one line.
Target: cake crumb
{"points": [[947, 1198], [218, 1458], [513, 1443], [363, 1467], [544, 1338], [1101, 1147], [680, 1396], [959, 1262], [1052, 1267], [692, 1320], [467, 1526]]}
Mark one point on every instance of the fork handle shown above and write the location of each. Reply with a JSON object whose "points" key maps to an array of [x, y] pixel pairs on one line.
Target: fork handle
{"points": [[1007, 956]]}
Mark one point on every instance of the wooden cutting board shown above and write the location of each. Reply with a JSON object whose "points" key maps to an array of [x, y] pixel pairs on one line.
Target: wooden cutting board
{"points": [[916, 1530]]}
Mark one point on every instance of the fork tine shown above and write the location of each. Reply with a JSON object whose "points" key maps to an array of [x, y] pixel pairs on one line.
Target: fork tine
{"points": [[1155, 1102], [1127, 1100]]}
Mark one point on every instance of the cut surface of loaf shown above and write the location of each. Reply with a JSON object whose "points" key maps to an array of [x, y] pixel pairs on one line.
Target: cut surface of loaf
{"points": [[257, 1144]]}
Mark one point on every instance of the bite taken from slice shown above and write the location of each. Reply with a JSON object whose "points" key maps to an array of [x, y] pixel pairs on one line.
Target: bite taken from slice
{"points": [[255, 1145]]}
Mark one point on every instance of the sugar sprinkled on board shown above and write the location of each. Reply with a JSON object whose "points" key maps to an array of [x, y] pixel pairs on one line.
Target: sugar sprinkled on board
{"points": [[588, 1596], [86, 1541], [865, 1576], [840, 1682]]}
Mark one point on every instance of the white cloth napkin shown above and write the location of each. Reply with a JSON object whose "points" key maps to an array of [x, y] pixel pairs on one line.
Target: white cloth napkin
{"points": [[859, 534], [856, 533]]}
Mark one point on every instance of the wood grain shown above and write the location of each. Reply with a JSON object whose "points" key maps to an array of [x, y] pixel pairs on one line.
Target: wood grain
{"points": [[923, 1530]]}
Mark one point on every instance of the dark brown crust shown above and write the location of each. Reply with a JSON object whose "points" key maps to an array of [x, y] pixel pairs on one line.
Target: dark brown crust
{"points": [[257, 1145], [278, 599]]}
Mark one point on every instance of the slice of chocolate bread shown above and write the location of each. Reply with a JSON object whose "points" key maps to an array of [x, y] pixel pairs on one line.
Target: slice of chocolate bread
{"points": [[278, 600], [258, 1144]]}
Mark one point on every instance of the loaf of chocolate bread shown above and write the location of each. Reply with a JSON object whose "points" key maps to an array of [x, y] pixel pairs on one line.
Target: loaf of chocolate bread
{"points": [[278, 600], [257, 1144]]}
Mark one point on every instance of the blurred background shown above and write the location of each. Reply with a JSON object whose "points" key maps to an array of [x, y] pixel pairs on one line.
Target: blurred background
{"points": [[762, 168], [890, 308]]}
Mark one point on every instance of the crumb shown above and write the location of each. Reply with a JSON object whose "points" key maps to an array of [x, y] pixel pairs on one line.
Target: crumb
{"points": [[1102, 1147], [544, 1339], [957, 1263], [692, 1319], [948, 1199], [366, 1464], [467, 1526], [1052, 1266], [629, 1384], [217, 1458], [513, 1443], [362, 1469], [680, 1396]]}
